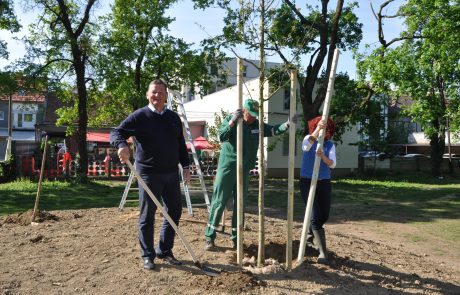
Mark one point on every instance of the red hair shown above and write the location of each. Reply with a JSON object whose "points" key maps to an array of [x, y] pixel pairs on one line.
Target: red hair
{"points": [[330, 127]]}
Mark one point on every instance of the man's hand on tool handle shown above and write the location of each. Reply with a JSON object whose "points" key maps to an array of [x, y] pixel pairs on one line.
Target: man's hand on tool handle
{"points": [[186, 175], [123, 154]]}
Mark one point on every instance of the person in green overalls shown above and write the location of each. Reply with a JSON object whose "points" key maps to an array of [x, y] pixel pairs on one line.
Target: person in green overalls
{"points": [[225, 183]]}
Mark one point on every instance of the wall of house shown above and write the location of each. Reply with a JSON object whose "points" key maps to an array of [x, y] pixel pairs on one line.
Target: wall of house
{"points": [[25, 115], [229, 68]]}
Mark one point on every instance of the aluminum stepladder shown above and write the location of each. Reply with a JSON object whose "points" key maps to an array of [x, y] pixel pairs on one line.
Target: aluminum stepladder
{"points": [[176, 98], [128, 186], [189, 140]]}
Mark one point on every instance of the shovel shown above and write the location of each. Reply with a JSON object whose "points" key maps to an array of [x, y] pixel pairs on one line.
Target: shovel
{"points": [[206, 270]]}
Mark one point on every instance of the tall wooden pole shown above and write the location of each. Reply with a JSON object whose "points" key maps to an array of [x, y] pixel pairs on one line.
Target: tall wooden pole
{"points": [[314, 180], [239, 167], [290, 206], [39, 190]]}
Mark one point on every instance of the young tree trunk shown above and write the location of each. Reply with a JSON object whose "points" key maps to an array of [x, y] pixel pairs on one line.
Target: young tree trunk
{"points": [[261, 252]]}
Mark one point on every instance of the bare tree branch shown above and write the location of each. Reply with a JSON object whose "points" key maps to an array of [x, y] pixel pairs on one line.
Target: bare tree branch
{"points": [[380, 17], [304, 21], [85, 18]]}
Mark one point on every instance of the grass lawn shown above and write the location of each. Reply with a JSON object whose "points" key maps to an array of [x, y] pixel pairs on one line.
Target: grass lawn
{"points": [[19, 196], [416, 199]]}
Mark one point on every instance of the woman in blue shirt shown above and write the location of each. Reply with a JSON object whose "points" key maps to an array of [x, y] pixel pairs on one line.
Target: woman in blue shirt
{"points": [[322, 204]]}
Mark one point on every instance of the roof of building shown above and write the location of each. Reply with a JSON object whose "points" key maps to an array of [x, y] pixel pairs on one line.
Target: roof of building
{"points": [[38, 98]]}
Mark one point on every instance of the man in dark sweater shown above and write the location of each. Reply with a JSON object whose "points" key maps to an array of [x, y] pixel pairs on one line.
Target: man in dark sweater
{"points": [[160, 147]]}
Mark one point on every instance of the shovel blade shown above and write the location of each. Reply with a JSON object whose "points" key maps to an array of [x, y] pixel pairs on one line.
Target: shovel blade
{"points": [[207, 270]]}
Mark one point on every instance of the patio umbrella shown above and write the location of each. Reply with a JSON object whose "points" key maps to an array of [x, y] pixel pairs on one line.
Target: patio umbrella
{"points": [[201, 143]]}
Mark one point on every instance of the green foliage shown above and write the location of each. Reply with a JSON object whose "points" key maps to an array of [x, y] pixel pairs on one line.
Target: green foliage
{"points": [[9, 22], [213, 131], [423, 66], [126, 68], [7, 83], [7, 171]]}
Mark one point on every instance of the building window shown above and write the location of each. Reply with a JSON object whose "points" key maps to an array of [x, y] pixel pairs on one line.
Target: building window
{"points": [[24, 120], [19, 120], [245, 71], [2, 115], [287, 98], [28, 117], [21, 92], [190, 96]]}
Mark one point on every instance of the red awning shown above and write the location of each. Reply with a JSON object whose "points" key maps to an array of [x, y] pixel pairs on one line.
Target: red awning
{"points": [[100, 137], [201, 143]]}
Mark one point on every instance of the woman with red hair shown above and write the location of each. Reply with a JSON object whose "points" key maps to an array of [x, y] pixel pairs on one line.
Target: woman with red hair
{"points": [[322, 204]]}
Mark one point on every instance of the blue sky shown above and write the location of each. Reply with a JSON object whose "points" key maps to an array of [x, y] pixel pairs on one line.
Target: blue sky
{"points": [[194, 25]]}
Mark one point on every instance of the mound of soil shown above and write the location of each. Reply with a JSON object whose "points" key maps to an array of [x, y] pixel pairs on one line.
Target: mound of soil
{"points": [[25, 218], [96, 251]]}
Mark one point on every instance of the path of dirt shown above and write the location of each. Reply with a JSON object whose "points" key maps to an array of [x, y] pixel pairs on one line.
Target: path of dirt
{"points": [[95, 251]]}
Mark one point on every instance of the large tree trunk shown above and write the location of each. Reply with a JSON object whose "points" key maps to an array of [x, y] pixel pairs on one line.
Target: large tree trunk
{"points": [[328, 35], [437, 143], [82, 122]]}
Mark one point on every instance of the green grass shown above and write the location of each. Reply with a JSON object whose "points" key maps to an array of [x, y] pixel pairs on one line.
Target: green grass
{"points": [[19, 196], [400, 200], [410, 199]]}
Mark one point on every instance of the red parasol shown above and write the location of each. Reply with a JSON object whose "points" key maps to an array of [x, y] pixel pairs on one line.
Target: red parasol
{"points": [[201, 143]]}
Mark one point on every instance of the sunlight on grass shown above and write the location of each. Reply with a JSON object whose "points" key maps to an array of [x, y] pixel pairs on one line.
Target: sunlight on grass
{"points": [[445, 229]]}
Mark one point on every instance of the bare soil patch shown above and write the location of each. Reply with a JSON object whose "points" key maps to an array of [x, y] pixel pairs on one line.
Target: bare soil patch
{"points": [[95, 251]]}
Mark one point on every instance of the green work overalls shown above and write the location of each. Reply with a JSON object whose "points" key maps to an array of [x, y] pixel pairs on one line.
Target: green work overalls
{"points": [[225, 183]]}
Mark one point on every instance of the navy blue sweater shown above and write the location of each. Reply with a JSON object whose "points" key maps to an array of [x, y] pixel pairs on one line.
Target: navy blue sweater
{"points": [[160, 143]]}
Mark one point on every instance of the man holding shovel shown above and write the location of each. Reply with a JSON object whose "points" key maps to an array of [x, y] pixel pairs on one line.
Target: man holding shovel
{"points": [[225, 183], [160, 147]]}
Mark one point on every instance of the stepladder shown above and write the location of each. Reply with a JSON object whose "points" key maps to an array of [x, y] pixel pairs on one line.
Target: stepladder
{"points": [[195, 165]]}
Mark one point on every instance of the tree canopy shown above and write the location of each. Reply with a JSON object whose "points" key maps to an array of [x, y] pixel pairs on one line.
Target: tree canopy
{"points": [[8, 22], [422, 63]]}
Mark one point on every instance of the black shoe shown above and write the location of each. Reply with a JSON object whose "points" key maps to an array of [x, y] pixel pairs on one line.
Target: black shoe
{"points": [[148, 263], [169, 258]]}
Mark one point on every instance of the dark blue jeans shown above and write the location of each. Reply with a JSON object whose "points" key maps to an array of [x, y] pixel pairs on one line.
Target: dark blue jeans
{"points": [[322, 203], [165, 187]]}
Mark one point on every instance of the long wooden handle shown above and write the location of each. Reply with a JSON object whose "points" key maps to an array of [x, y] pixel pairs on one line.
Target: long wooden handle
{"points": [[311, 194], [165, 213], [40, 180]]}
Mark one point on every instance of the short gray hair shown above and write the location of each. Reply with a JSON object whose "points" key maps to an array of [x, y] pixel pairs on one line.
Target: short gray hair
{"points": [[159, 82]]}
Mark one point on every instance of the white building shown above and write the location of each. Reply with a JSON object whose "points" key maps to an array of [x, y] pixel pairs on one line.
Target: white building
{"points": [[228, 68], [202, 111]]}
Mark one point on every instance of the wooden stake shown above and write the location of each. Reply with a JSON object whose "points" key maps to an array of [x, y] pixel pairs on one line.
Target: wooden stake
{"points": [[223, 220], [311, 194], [239, 168], [290, 206], [39, 189]]}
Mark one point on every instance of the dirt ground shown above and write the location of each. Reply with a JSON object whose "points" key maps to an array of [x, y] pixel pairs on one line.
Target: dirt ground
{"points": [[95, 251]]}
